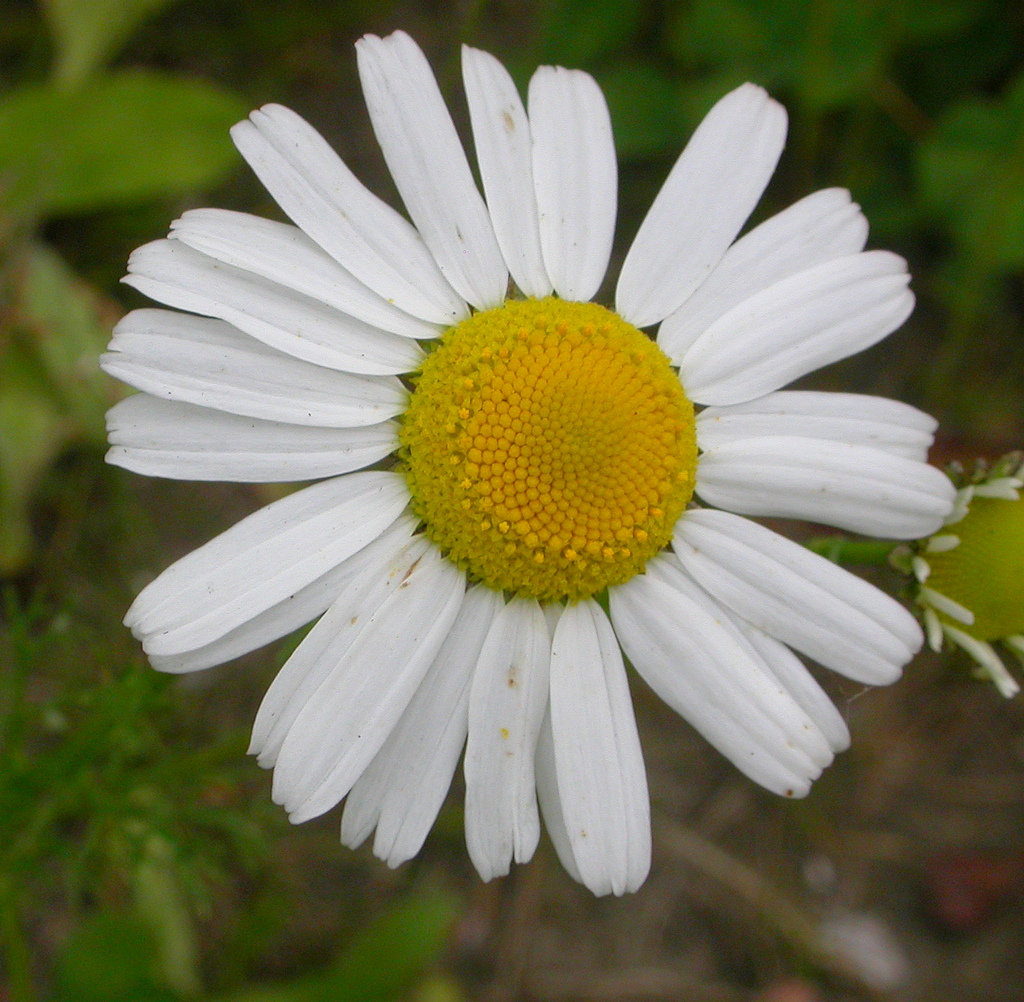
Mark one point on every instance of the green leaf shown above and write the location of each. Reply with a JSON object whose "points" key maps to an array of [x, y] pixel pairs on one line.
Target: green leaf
{"points": [[52, 392], [387, 957], [380, 963], [65, 324], [643, 102], [124, 138], [88, 32], [109, 958], [972, 177], [162, 903], [32, 433], [577, 32]]}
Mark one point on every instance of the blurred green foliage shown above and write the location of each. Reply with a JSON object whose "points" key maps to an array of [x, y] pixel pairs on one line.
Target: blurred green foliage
{"points": [[88, 32], [380, 963], [118, 139], [138, 832], [82, 139]]}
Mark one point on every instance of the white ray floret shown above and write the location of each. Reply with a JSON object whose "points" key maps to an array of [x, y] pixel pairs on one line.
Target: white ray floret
{"points": [[798, 597], [853, 487], [429, 167], [1004, 488], [298, 609], [796, 326], [791, 672], [507, 702], [549, 799], [986, 656], [853, 418], [362, 233], [374, 572], [176, 356], [285, 255], [402, 789], [262, 560], [699, 664], [504, 150], [705, 201], [818, 228], [947, 605], [338, 732], [576, 178], [598, 762], [164, 438], [174, 274]]}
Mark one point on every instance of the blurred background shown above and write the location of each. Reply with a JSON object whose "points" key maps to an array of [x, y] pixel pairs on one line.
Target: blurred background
{"points": [[140, 856]]}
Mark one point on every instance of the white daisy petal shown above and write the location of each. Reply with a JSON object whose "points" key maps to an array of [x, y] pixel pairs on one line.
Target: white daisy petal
{"points": [[342, 727], [598, 761], [576, 178], [798, 597], [507, 703], [278, 621], [800, 684], [853, 487], [177, 356], [550, 800], [263, 559], [163, 438], [784, 708], [372, 574], [363, 234], [889, 425], [504, 150], [699, 664], [816, 229], [176, 275], [797, 325], [284, 255], [404, 786], [429, 166], [710, 192]]}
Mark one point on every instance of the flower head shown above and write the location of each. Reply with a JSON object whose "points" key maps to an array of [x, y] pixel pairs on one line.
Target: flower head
{"points": [[969, 577], [540, 515]]}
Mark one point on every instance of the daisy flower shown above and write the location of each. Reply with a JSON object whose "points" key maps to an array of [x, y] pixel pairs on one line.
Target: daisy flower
{"points": [[555, 501]]}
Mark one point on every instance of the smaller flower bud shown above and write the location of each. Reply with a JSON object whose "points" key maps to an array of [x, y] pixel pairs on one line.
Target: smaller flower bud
{"points": [[971, 574]]}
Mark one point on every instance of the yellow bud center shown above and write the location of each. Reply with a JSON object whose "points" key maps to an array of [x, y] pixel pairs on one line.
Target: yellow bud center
{"points": [[985, 573], [549, 448]]}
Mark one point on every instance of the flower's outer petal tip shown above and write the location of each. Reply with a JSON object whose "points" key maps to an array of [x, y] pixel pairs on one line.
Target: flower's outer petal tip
{"points": [[798, 597], [708, 195], [797, 325], [428, 165], [575, 175]]}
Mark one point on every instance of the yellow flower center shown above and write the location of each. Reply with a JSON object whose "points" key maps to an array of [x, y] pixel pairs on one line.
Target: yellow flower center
{"points": [[549, 448], [985, 573]]}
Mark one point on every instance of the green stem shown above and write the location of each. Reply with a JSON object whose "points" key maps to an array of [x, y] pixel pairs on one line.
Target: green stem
{"points": [[840, 550]]}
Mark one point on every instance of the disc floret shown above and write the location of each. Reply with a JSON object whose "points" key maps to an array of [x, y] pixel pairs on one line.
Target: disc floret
{"points": [[549, 448]]}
